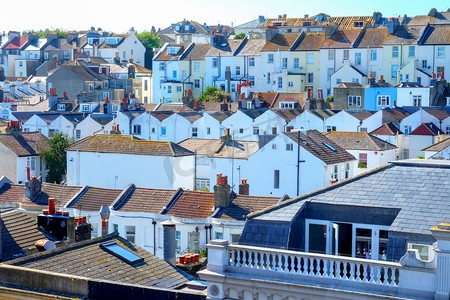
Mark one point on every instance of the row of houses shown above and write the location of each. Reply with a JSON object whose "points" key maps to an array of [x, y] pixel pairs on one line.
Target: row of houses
{"points": [[294, 62]]}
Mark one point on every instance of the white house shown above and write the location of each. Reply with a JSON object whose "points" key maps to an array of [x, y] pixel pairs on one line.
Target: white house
{"points": [[242, 124], [357, 120], [370, 151], [272, 171], [307, 120], [20, 156], [413, 95], [94, 124], [440, 150], [114, 161], [390, 133], [422, 137]]}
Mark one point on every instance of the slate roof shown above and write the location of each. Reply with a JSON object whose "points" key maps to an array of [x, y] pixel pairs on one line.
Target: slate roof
{"points": [[23, 116], [438, 146], [387, 129], [418, 188], [191, 116], [92, 198], [253, 113], [166, 56], [161, 115], [202, 146], [215, 148], [126, 144], [314, 143], [361, 114], [427, 129], [242, 205], [341, 39], [221, 115], [287, 114], [281, 41], [310, 42], [102, 119], [359, 141], [145, 200], [252, 47], [372, 38], [193, 205], [18, 234], [197, 52], [25, 144], [61, 193], [230, 49], [323, 113], [436, 35], [397, 113], [405, 35], [88, 260]]}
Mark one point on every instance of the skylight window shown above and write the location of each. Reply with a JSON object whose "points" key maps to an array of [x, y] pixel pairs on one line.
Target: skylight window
{"points": [[329, 146], [121, 252]]}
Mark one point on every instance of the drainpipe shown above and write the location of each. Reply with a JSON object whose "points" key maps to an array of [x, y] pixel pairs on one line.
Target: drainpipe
{"points": [[154, 237]]}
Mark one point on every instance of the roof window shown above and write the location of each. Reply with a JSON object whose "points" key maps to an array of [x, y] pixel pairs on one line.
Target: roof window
{"points": [[329, 146], [121, 252]]}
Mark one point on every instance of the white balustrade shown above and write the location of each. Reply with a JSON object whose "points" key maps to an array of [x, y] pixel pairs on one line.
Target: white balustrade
{"points": [[315, 265]]}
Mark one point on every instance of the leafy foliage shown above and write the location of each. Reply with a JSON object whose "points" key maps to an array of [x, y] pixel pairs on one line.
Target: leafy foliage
{"points": [[213, 94], [150, 40], [54, 155], [239, 36], [329, 99], [42, 34]]}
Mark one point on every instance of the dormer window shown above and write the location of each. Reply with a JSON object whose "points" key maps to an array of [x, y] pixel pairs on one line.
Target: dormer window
{"points": [[306, 23], [172, 50], [61, 107], [177, 28], [358, 24], [186, 27], [85, 107], [286, 104]]}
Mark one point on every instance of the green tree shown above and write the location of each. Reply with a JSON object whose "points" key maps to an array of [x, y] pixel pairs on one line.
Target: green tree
{"points": [[54, 155], [213, 94], [42, 34], [150, 40], [239, 36]]}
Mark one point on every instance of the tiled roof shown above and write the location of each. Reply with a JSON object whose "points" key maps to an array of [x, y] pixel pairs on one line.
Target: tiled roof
{"points": [[18, 233], [427, 129], [23, 116], [242, 205], [405, 35], [397, 113], [417, 188], [372, 38], [16, 43], [61, 193], [361, 114], [145, 200], [82, 72], [228, 50], [197, 52], [166, 56], [25, 144], [237, 149], [87, 259], [323, 113], [193, 205], [161, 115], [359, 141], [165, 39], [126, 144], [387, 129], [252, 47], [281, 41], [202, 146], [287, 114], [221, 115], [315, 143], [92, 198], [191, 116], [349, 85], [341, 39], [298, 98], [441, 114], [48, 117], [438, 146], [310, 42], [268, 97]]}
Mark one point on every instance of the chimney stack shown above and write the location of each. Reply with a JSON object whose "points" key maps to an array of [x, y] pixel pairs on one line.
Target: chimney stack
{"points": [[226, 137], [58, 224], [222, 194], [104, 214], [169, 234], [32, 188], [124, 105], [244, 188]]}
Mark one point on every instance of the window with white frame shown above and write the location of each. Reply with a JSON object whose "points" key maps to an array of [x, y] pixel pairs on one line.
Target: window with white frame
{"points": [[162, 66], [215, 62], [289, 147], [276, 179], [268, 78], [196, 84], [383, 100], [347, 170], [425, 251], [331, 54], [208, 130], [355, 79], [238, 70], [194, 242], [202, 184], [296, 63], [335, 173], [61, 107], [362, 162], [424, 64], [78, 134], [270, 59], [440, 52], [196, 66], [178, 239], [130, 233], [31, 163], [395, 51], [255, 130], [357, 58], [417, 100], [194, 131], [290, 84], [346, 54], [286, 104], [91, 87], [85, 107], [331, 128], [169, 89], [310, 58], [373, 54], [274, 146], [407, 129], [354, 100], [252, 80], [310, 78], [447, 130], [411, 51], [284, 62], [233, 88], [280, 83], [251, 61], [178, 89], [440, 69]]}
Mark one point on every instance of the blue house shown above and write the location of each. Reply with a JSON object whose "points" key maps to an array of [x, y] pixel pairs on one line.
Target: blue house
{"points": [[378, 95]]}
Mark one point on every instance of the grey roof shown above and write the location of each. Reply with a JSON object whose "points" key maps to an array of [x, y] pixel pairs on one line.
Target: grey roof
{"points": [[87, 259], [359, 141], [419, 189]]}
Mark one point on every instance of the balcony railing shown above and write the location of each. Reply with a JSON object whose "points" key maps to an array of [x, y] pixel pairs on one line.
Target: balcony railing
{"points": [[315, 265]]}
